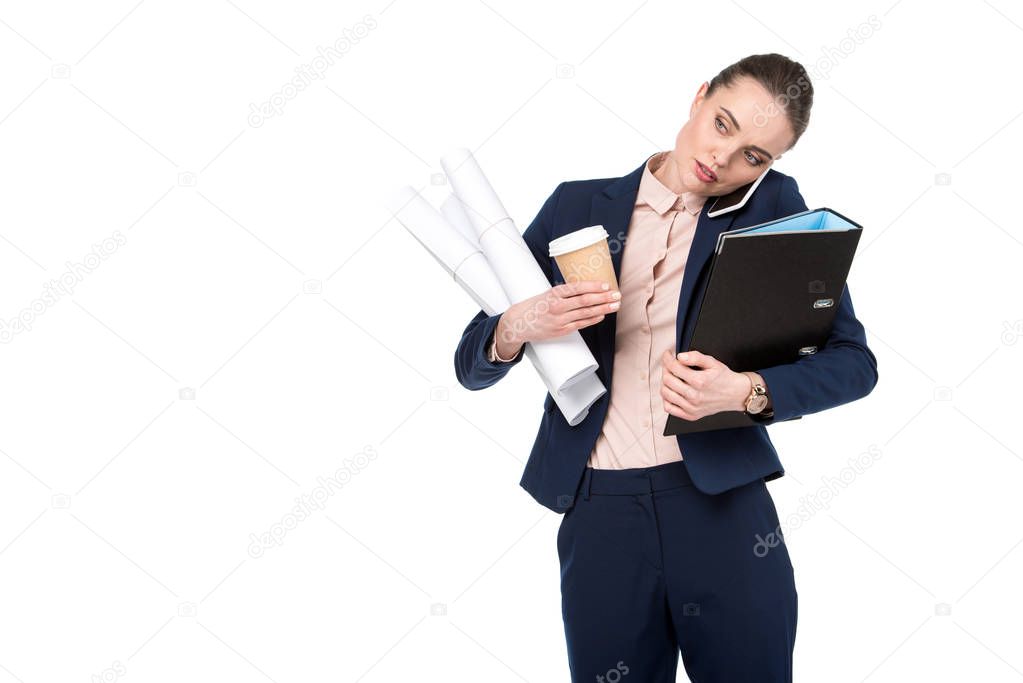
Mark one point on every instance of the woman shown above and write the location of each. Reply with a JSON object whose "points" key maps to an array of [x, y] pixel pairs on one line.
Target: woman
{"points": [[672, 544]]}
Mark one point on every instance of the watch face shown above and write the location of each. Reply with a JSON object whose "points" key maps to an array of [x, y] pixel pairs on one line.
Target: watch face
{"points": [[757, 404]]}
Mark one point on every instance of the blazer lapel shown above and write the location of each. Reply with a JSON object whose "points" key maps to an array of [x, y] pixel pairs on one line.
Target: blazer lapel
{"points": [[704, 242], [612, 208]]}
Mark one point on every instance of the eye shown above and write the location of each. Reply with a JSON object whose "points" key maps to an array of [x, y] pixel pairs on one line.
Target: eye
{"points": [[751, 158]]}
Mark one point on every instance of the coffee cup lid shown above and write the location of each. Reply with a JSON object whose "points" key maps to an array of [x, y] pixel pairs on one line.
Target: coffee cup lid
{"points": [[583, 237]]}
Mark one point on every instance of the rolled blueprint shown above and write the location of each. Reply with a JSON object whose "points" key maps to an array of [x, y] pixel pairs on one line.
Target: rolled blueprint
{"points": [[454, 212], [566, 359], [469, 267]]}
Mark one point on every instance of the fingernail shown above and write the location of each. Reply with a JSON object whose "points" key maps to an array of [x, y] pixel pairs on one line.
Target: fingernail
{"points": [[606, 286], [616, 295], [683, 356]]}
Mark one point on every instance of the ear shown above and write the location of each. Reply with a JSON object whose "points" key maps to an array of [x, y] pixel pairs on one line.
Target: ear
{"points": [[701, 93]]}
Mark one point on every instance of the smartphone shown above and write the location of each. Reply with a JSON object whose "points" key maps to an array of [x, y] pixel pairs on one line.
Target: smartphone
{"points": [[737, 198]]}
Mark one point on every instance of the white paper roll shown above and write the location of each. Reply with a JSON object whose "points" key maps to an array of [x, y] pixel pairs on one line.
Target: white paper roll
{"points": [[566, 359], [455, 214], [469, 267]]}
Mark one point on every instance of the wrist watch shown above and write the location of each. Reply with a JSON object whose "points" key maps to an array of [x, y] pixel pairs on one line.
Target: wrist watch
{"points": [[757, 400]]}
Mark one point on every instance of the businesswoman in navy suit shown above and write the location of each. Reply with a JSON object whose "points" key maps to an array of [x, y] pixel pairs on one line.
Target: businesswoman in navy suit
{"points": [[671, 545]]}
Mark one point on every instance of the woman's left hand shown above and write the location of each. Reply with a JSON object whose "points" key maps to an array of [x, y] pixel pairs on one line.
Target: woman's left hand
{"points": [[710, 388]]}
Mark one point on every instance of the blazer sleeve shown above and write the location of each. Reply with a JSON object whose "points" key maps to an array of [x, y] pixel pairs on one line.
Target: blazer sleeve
{"points": [[472, 366], [843, 371]]}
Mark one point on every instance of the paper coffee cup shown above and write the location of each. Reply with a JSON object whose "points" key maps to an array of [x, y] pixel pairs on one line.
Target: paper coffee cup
{"points": [[584, 255]]}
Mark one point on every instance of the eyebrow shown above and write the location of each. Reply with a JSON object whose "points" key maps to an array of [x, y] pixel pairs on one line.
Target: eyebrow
{"points": [[739, 128]]}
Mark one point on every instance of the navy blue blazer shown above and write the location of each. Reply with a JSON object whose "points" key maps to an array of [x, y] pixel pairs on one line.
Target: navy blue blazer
{"points": [[843, 370]]}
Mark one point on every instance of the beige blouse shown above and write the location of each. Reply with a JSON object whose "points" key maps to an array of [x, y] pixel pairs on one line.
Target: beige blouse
{"points": [[653, 260]]}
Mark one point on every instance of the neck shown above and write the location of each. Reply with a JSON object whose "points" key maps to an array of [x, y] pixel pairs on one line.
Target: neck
{"points": [[666, 171]]}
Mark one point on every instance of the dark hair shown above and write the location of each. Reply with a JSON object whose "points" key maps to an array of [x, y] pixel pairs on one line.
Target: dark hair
{"points": [[786, 80]]}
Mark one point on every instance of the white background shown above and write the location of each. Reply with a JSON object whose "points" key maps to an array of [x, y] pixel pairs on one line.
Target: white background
{"points": [[264, 324]]}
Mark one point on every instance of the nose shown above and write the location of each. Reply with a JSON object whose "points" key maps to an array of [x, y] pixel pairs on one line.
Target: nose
{"points": [[722, 156]]}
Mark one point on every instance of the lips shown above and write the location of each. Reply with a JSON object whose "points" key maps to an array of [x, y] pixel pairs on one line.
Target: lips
{"points": [[705, 174]]}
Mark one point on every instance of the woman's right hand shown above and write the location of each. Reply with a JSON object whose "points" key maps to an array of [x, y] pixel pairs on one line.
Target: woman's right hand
{"points": [[561, 309]]}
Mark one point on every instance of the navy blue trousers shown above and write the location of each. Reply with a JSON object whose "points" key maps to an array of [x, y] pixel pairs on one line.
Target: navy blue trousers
{"points": [[651, 568]]}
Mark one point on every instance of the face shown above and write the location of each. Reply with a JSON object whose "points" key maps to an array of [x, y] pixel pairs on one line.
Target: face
{"points": [[737, 133]]}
